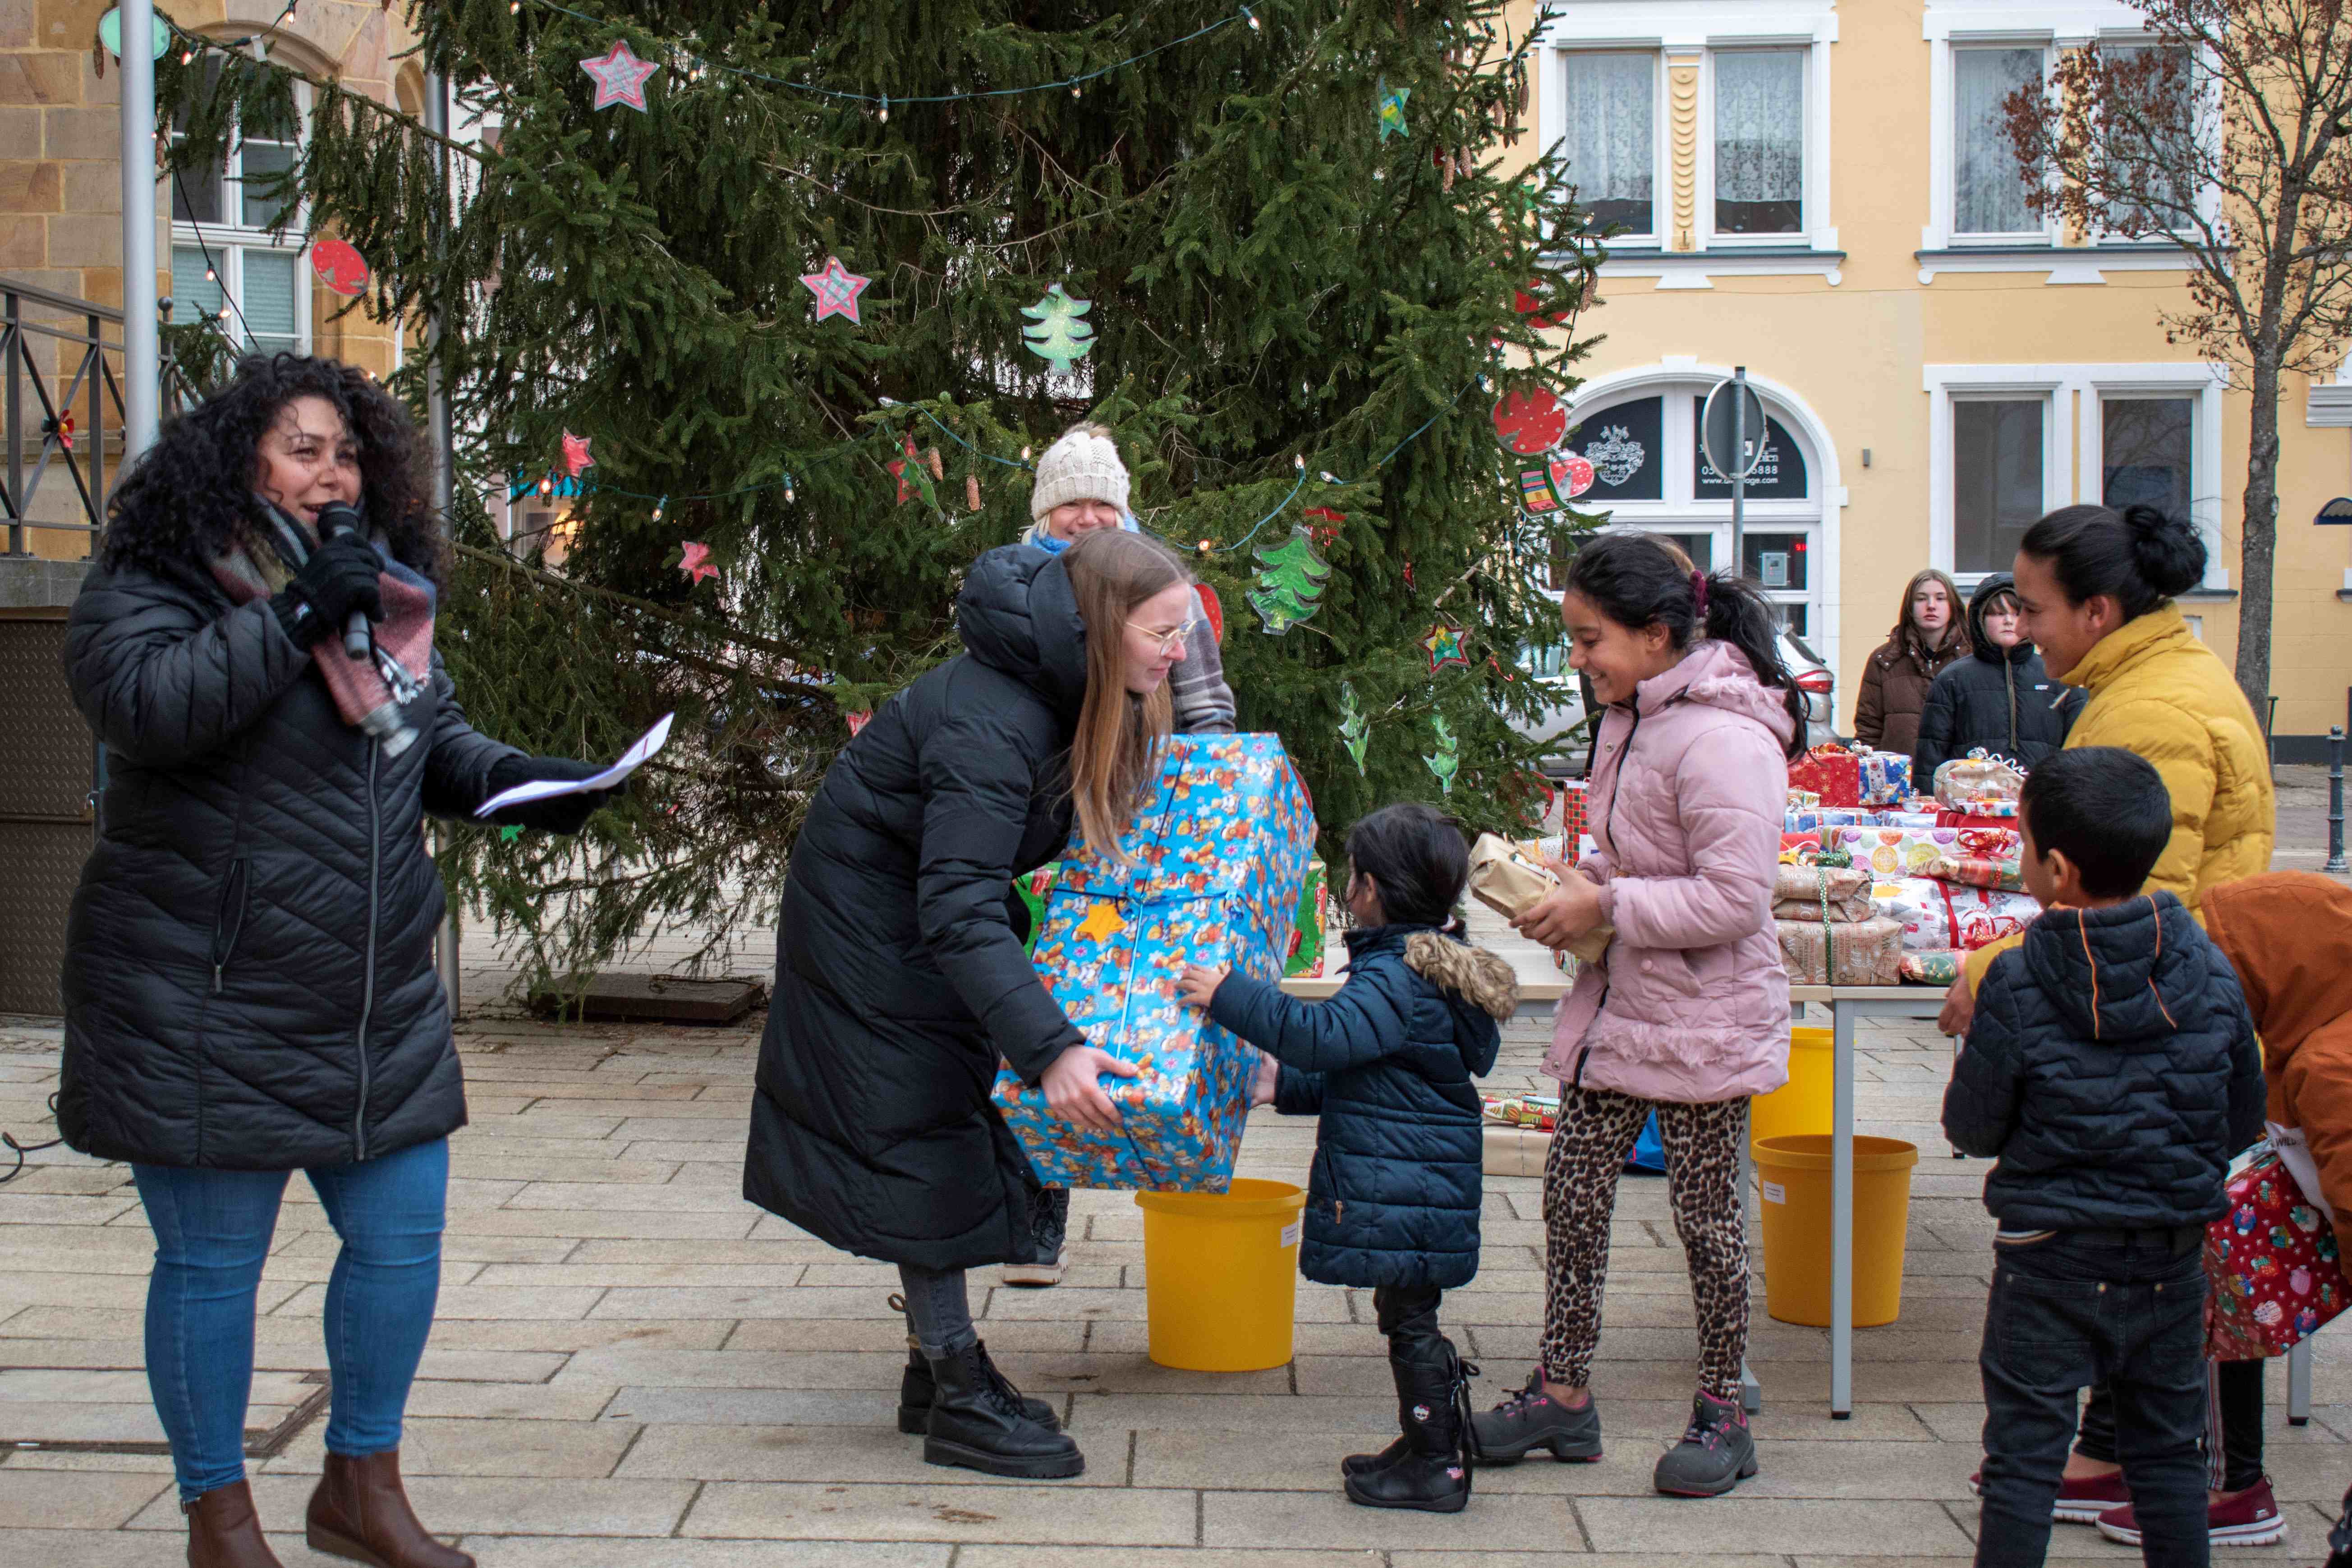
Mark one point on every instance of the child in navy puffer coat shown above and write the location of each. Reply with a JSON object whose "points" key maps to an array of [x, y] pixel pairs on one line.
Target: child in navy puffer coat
{"points": [[1386, 1064]]}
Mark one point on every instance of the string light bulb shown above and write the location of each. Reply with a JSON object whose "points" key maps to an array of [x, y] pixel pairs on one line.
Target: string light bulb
{"points": [[187, 57], [210, 275], [1074, 91], [514, 7], [657, 508], [1025, 453], [886, 109], [788, 489], [547, 487], [1253, 19], [1299, 462], [1204, 547]]}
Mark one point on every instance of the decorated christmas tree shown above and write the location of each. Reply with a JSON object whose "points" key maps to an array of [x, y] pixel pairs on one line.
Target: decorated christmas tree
{"points": [[1273, 246]]}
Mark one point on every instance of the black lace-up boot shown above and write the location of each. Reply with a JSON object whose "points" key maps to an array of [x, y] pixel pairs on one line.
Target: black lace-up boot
{"points": [[979, 1421], [1532, 1419]]}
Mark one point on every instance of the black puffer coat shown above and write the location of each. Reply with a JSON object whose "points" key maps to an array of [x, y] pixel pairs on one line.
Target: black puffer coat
{"points": [[2000, 698], [2112, 1068], [899, 977], [249, 980], [1387, 1062]]}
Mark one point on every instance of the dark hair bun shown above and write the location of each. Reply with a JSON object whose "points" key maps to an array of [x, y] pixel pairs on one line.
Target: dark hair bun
{"points": [[2169, 552]]}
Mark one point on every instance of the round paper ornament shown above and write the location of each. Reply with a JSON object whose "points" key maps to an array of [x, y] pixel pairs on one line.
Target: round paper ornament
{"points": [[1530, 421], [1571, 475], [341, 267]]}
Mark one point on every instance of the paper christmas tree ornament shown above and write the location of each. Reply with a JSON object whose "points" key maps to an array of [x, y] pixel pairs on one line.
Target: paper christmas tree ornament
{"points": [[1355, 730], [1290, 585], [1446, 762], [1529, 421], [1060, 334]]}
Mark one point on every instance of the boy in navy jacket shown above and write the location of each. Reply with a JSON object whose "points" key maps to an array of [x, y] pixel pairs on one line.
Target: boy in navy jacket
{"points": [[2112, 1069], [1386, 1064]]}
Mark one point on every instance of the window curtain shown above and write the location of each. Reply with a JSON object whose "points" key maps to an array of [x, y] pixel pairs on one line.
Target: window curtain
{"points": [[1988, 185], [1759, 141], [1610, 141]]}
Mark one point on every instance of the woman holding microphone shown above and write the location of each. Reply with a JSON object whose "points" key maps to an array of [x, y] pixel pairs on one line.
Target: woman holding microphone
{"points": [[250, 983]]}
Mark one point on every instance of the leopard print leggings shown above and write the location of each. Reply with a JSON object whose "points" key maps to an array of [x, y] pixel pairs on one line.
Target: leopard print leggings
{"points": [[1597, 1129]]}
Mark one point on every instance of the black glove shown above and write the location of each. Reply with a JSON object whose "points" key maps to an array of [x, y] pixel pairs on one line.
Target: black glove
{"points": [[341, 576], [557, 813]]}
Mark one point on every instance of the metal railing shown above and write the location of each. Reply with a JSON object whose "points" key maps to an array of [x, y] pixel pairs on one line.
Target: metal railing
{"points": [[61, 397]]}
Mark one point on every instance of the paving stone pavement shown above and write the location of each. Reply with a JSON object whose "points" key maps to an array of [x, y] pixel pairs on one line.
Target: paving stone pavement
{"points": [[633, 1368]]}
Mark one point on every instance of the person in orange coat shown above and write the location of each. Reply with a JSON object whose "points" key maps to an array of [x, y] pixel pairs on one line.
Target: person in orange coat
{"points": [[2289, 936]]}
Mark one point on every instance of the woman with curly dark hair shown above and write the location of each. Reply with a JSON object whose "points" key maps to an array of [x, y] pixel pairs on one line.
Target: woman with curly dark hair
{"points": [[249, 982]]}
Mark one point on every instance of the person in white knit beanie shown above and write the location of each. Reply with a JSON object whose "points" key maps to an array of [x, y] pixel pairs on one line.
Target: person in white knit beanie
{"points": [[1082, 487]]}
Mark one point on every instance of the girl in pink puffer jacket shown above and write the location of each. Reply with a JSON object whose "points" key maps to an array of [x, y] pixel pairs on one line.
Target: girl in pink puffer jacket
{"points": [[1687, 1014]]}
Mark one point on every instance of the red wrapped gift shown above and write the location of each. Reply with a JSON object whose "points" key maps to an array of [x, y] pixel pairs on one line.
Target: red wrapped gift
{"points": [[2273, 1264], [1572, 824], [1830, 771]]}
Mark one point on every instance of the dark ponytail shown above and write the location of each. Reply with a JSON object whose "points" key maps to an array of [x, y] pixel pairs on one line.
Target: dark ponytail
{"points": [[1641, 580], [1418, 855], [2139, 557]]}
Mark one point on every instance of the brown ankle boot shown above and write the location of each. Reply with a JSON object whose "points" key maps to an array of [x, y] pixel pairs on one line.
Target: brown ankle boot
{"points": [[224, 1532], [360, 1512]]}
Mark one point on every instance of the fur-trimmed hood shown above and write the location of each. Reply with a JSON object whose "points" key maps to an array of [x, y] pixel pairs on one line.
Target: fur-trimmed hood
{"points": [[1477, 976]]}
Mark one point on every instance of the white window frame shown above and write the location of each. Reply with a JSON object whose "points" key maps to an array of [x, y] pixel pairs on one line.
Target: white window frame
{"points": [[228, 240], [1944, 152], [1811, 84], [2074, 392], [1662, 170], [1680, 29]]}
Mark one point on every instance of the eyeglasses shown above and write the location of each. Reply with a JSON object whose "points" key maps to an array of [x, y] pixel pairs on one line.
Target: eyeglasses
{"points": [[1162, 641]]}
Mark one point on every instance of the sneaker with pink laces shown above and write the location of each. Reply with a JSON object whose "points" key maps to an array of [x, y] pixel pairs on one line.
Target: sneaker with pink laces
{"points": [[2081, 1500], [2250, 1518]]}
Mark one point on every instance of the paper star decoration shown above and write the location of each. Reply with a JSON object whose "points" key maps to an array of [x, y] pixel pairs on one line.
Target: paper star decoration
{"points": [[1392, 109], [575, 454], [508, 834], [836, 289], [694, 560], [1102, 923], [620, 77], [1445, 645]]}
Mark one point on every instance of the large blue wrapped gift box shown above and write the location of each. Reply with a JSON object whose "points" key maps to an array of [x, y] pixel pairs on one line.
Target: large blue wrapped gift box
{"points": [[1218, 855]]}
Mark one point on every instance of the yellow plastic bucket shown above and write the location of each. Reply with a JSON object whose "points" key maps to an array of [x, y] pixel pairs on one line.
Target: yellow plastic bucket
{"points": [[1220, 1274], [1802, 1104], [1794, 1173]]}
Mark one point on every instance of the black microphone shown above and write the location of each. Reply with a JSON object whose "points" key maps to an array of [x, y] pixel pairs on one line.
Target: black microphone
{"points": [[339, 518]]}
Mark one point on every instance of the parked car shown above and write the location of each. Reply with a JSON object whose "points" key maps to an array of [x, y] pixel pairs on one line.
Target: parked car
{"points": [[1565, 723]]}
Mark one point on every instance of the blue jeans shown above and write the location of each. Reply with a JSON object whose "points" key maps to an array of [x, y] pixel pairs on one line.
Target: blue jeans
{"points": [[213, 1230], [2077, 1309]]}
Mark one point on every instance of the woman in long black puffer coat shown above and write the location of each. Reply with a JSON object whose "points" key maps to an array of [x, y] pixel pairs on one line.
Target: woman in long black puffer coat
{"points": [[2001, 699], [249, 985], [900, 979]]}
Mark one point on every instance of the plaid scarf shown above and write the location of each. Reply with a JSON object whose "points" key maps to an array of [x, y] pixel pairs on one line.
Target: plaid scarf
{"points": [[369, 692]]}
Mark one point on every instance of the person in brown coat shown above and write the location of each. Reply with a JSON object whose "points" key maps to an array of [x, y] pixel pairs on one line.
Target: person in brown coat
{"points": [[1928, 636]]}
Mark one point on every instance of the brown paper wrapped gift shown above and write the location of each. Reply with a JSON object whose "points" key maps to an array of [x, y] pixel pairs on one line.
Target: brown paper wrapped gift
{"points": [[1843, 953], [1803, 892], [1511, 879]]}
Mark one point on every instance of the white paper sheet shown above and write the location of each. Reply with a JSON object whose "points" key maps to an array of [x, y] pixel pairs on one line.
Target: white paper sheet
{"points": [[645, 746]]}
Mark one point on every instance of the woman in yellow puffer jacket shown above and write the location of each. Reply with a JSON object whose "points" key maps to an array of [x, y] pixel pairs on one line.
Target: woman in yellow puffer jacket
{"points": [[2096, 589]]}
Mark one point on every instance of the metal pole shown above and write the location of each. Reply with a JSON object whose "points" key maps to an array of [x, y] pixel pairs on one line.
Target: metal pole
{"points": [[2335, 800], [142, 363], [446, 950], [1739, 469]]}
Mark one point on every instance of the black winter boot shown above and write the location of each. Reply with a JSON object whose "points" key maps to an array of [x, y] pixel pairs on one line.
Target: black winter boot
{"points": [[979, 1421], [1433, 1474], [915, 1392]]}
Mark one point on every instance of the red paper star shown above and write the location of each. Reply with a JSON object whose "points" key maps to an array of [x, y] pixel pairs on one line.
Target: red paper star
{"points": [[836, 289], [1330, 521], [620, 77], [575, 454], [694, 560], [1443, 643]]}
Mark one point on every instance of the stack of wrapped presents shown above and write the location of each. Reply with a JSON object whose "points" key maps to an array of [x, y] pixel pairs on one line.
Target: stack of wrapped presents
{"points": [[1880, 885]]}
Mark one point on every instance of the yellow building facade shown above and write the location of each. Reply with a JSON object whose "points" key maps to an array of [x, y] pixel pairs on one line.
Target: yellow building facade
{"points": [[1818, 192]]}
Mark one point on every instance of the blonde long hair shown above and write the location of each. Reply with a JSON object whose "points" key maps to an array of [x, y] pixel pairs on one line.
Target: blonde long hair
{"points": [[1116, 752]]}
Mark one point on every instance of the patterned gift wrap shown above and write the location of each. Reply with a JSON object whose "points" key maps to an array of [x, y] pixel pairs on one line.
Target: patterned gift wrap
{"points": [[1909, 819], [1857, 952], [1305, 957], [1931, 968], [2273, 1264], [1033, 890], [1886, 778], [1939, 917], [1796, 821], [1830, 771], [1893, 851], [1977, 871], [1799, 849], [1804, 800], [1219, 861]]}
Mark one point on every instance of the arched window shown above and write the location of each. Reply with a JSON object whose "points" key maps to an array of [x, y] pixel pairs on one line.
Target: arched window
{"points": [[1650, 475]]}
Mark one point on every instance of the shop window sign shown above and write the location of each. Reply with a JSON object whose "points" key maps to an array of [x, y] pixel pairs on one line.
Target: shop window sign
{"points": [[1623, 443], [1779, 475]]}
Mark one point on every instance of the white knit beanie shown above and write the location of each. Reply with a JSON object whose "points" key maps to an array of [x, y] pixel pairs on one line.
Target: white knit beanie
{"points": [[1082, 466]]}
